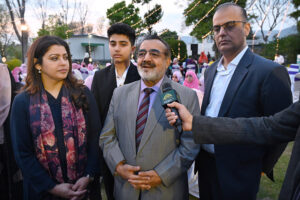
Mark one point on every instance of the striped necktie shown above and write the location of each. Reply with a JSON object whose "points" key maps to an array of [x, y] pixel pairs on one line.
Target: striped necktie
{"points": [[142, 116]]}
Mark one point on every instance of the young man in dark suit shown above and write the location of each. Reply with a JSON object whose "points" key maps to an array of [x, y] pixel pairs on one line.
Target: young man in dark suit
{"points": [[122, 71], [240, 84]]}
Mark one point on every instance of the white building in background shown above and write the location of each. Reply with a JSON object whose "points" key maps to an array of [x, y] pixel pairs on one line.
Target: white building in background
{"points": [[206, 45], [96, 45]]}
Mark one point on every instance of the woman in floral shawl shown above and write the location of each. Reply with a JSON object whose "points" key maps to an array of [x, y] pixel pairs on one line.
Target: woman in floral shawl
{"points": [[55, 127]]}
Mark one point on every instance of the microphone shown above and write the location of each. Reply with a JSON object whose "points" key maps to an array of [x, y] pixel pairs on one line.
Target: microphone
{"points": [[169, 95]]}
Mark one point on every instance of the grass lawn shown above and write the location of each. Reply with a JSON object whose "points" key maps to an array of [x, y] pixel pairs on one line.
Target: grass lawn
{"points": [[268, 189]]}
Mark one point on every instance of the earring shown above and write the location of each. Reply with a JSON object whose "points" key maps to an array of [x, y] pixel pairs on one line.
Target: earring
{"points": [[39, 71]]}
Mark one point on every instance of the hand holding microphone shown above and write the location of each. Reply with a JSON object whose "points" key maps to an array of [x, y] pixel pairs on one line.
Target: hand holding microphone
{"points": [[170, 101]]}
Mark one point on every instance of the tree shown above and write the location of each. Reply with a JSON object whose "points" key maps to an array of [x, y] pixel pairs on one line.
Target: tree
{"points": [[100, 26], [119, 12], [55, 26], [82, 12], [77, 28], [65, 9], [174, 44], [17, 10], [41, 11], [296, 14], [5, 35], [268, 14], [287, 48], [141, 1], [152, 17], [193, 16], [169, 35]]}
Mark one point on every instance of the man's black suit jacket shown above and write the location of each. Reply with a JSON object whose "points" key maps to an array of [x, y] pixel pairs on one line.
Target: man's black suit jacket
{"points": [[104, 83], [258, 87], [280, 128]]}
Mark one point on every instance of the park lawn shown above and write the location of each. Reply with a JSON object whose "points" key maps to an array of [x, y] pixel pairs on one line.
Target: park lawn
{"points": [[270, 190]]}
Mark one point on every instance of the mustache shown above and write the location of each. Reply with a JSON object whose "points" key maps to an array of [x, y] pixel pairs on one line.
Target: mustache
{"points": [[147, 64]]}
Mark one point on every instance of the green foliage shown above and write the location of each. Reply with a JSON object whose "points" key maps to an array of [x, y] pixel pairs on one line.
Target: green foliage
{"points": [[286, 48], [43, 32], [155, 15], [141, 1], [55, 26], [169, 35], [296, 3], [119, 12], [13, 63], [173, 43], [200, 11], [13, 51]]}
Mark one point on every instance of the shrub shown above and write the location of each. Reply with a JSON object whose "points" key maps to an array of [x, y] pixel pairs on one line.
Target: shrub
{"points": [[13, 63]]}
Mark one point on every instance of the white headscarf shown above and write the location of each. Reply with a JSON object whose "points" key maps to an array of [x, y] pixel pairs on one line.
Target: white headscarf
{"points": [[5, 98]]}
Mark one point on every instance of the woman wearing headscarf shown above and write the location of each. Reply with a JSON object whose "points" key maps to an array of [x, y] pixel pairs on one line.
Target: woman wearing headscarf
{"points": [[191, 81], [10, 176], [177, 77], [55, 126]]}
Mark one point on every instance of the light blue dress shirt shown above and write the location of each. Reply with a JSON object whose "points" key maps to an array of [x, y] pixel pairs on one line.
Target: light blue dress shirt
{"points": [[219, 88]]}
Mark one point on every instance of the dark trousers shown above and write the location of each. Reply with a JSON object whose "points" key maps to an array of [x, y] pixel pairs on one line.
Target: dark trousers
{"points": [[208, 183], [95, 189], [108, 180], [11, 185]]}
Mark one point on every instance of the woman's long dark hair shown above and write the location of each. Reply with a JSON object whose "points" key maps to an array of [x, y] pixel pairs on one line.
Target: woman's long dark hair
{"points": [[33, 80]]}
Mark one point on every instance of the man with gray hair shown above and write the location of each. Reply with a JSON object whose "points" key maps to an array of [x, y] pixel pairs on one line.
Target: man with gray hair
{"points": [[147, 156]]}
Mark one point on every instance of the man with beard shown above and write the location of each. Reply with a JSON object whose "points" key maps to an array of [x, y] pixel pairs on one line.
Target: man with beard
{"points": [[148, 157]]}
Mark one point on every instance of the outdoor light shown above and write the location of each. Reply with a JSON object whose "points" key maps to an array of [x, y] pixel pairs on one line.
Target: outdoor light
{"points": [[3, 59], [24, 27], [90, 60]]}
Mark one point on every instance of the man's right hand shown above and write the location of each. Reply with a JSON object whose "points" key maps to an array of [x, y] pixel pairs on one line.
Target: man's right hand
{"points": [[64, 190], [185, 116], [129, 172]]}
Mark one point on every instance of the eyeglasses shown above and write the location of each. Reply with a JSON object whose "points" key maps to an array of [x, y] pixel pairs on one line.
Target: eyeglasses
{"points": [[154, 53], [228, 26]]}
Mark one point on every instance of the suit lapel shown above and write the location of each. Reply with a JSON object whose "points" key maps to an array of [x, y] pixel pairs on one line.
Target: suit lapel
{"points": [[113, 82], [236, 81], [132, 74], [154, 116], [132, 104], [209, 80]]}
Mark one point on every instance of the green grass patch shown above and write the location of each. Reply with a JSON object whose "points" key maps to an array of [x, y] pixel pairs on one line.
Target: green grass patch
{"points": [[268, 189]]}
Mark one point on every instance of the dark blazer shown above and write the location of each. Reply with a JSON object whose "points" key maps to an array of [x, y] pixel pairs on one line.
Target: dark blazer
{"points": [[258, 87], [280, 128], [104, 83]]}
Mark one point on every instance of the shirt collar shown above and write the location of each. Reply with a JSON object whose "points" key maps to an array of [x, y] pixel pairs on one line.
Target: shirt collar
{"points": [[234, 62], [124, 74], [155, 87]]}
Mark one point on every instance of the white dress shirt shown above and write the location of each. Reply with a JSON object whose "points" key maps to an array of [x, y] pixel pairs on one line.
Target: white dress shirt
{"points": [[121, 79], [219, 87]]}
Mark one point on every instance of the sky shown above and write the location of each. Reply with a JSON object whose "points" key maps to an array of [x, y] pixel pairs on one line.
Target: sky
{"points": [[172, 19]]}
